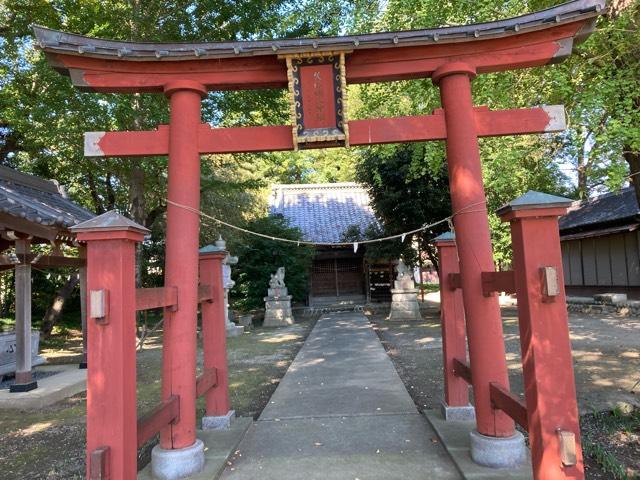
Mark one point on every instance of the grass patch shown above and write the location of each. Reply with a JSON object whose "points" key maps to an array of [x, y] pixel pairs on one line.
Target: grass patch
{"points": [[612, 440], [428, 287]]}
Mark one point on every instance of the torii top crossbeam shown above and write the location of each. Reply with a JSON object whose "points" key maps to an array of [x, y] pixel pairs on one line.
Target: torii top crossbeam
{"points": [[113, 66], [526, 41]]}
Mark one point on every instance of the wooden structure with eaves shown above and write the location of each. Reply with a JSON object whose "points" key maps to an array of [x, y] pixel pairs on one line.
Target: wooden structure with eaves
{"points": [[35, 212]]}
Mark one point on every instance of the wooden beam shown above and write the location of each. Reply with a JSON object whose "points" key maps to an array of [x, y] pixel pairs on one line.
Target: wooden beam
{"points": [[510, 404], [21, 225], [494, 55], [362, 132], [42, 260], [56, 261], [493, 282], [160, 297], [82, 275], [462, 370], [24, 378], [536, 47], [99, 463], [206, 381], [164, 414]]}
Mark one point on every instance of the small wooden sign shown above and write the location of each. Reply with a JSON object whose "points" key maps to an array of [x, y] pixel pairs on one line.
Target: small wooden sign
{"points": [[317, 89], [568, 454], [550, 286], [99, 305]]}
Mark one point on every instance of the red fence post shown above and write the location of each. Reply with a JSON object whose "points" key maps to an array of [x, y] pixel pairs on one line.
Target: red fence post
{"points": [[456, 390], [111, 329], [495, 443], [550, 393], [214, 340]]}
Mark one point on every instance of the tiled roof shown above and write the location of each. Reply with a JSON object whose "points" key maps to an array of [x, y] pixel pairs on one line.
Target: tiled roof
{"points": [[38, 200], [601, 212], [323, 212]]}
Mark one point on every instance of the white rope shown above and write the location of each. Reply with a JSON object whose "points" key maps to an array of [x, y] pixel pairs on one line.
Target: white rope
{"points": [[355, 244]]}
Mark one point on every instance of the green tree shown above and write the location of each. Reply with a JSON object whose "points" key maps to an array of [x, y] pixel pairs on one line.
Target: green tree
{"points": [[43, 118], [259, 257], [513, 165], [406, 194]]}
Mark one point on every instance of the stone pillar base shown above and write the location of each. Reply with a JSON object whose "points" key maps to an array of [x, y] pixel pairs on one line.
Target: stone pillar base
{"points": [[466, 413], [234, 330], [23, 387], [497, 452], [404, 305], [174, 464], [220, 422], [278, 312]]}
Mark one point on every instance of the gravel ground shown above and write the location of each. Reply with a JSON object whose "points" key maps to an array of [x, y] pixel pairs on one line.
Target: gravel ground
{"points": [[606, 364]]}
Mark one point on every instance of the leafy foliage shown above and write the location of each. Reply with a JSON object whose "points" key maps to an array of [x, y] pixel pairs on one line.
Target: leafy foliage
{"points": [[599, 87], [43, 118], [405, 194], [258, 258]]}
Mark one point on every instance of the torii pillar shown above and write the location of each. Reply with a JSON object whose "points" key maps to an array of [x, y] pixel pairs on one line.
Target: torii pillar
{"points": [[179, 446], [495, 443]]}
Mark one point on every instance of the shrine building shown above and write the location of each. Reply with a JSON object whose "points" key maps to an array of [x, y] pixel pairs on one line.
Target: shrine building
{"points": [[600, 239], [325, 213]]}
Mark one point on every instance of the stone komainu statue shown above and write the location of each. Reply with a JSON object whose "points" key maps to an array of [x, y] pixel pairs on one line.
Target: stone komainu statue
{"points": [[402, 270], [277, 279]]}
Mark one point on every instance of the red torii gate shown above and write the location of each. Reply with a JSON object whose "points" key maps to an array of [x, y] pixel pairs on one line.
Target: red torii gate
{"points": [[316, 71]]}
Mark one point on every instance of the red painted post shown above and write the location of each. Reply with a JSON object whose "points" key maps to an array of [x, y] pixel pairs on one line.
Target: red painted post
{"points": [[456, 389], [550, 393], [484, 324], [111, 329], [214, 335], [181, 262]]}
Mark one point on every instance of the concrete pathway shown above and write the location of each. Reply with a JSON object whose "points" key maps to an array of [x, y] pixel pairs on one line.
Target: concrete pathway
{"points": [[341, 412]]}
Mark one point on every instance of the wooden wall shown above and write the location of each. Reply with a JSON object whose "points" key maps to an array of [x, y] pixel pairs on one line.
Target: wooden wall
{"points": [[611, 260]]}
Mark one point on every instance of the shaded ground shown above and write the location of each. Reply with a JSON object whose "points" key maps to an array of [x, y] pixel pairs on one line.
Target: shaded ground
{"points": [[49, 444], [606, 362]]}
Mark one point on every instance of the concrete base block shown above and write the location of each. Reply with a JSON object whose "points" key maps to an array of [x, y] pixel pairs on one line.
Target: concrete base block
{"points": [[498, 452], [404, 306], [177, 463], [220, 422], [219, 447], [454, 437], [23, 387], [610, 298], [68, 382], [234, 330], [466, 413], [278, 312]]}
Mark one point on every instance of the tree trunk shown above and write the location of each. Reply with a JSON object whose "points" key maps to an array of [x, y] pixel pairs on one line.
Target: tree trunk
{"points": [[53, 312], [633, 159], [582, 168], [433, 256], [137, 208]]}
